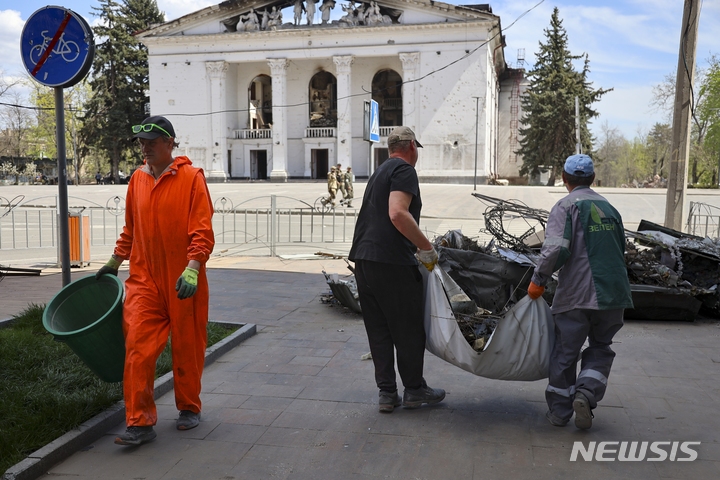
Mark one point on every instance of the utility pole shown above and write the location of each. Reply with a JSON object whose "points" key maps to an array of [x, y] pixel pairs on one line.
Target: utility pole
{"points": [[578, 148], [680, 150], [477, 115]]}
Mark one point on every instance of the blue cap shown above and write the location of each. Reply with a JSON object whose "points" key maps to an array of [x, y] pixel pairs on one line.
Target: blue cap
{"points": [[579, 165]]}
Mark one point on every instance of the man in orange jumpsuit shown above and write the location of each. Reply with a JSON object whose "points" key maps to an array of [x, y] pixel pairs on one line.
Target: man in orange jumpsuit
{"points": [[167, 237]]}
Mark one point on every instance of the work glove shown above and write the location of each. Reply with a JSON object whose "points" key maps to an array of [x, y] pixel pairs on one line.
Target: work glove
{"points": [[186, 285], [429, 258], [111, 267], [535, 291]]}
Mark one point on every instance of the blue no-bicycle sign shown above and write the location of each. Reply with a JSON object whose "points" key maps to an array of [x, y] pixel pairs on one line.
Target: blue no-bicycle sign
{"points": [[57, 47]]}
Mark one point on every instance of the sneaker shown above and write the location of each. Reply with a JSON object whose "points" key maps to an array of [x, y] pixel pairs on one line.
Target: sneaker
{"points": [[557, 421], [187, 420], [413, 398], [388, 401], [583, 414], [136, 436]]}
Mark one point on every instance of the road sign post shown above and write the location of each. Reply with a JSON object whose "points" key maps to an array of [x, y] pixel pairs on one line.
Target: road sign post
{"points": [[57, 50], [371, 129]]}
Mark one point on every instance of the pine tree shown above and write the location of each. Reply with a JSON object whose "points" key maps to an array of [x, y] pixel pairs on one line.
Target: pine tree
{"points": [[119, 78], [548, 125]]}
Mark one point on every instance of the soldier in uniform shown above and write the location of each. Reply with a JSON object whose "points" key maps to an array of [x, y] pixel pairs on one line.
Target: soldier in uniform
{"points": [[340, 180], [332, 185], [348, 187]]}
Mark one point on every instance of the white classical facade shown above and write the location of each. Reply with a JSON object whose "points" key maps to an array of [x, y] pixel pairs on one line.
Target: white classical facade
{"points": [[252, 95]]}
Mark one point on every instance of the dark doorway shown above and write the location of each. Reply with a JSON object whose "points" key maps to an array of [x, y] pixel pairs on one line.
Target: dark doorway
{"points": [[319, 163], [258, 164], [381, 154]]}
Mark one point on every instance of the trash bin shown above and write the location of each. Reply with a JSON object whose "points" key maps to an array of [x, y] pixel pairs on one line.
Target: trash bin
{"points": [[87, 316], [78, 239], [79, 227]]}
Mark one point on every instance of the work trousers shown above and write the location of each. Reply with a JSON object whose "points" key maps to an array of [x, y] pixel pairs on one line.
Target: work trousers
{"points": [[572, 328], [391, 297], [148, 318]]}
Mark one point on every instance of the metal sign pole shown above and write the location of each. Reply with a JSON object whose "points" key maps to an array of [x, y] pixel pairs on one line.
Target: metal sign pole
{"points": [[57, 50], [62, 186]]}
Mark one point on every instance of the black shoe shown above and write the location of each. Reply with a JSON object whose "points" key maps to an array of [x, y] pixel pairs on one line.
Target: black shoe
{"points": [[388, 401], [413, 398], [583, 414], [136, 436], [187, 420]]}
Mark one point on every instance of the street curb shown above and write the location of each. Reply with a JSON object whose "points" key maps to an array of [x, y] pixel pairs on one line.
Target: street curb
{"points": [[40, 461]]}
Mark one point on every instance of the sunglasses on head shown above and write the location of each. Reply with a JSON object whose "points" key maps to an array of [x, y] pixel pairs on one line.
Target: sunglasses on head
{"points": [[148, 128]]}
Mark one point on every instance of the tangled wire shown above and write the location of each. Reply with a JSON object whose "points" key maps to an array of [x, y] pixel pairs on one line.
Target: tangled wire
{"points": [[500, 213]]}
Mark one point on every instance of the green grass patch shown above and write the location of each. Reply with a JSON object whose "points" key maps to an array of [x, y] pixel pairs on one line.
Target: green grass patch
{"points": [[46, 390]]}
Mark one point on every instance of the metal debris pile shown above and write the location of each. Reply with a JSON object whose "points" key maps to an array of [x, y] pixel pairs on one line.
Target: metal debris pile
{"points": [[344, 292], [683, 264], [513, 224], [455, 239], [477, 327]]}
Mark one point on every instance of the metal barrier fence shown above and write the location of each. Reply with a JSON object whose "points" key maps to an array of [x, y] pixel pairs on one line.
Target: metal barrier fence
{"points": [[703, 220], [31, 224]]}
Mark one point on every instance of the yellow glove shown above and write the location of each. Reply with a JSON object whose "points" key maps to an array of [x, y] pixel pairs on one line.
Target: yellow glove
{"points": [[535, 291], [429, 258], [111, 267], [186, 285]]}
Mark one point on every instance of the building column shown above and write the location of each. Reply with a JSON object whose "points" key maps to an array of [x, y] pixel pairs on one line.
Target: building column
{"points": [[217, 169], [411, 91], [344, 109], [278, 69]]}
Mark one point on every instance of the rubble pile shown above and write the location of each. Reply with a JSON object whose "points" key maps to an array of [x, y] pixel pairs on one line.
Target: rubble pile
{"points": [[684, 264], [477, 328]]}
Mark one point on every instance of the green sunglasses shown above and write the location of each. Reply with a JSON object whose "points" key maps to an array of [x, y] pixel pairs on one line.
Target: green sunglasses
{"points": [[148, 128]]}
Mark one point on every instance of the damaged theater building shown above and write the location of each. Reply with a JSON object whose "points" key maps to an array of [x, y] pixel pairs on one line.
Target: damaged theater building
{"points": [[276, 89]]}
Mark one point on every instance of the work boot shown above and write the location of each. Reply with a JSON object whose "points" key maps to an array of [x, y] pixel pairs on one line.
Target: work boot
{"points": [[187, 420], [554, 420], [388, 401], [414, 397], [583, 414], [136, 436]]}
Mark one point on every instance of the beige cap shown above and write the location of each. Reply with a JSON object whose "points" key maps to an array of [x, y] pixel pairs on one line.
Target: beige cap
{"points": [[402, 133]]}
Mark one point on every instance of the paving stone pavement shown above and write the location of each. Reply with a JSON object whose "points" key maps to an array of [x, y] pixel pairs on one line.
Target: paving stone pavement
{"points": [[297, 402]]}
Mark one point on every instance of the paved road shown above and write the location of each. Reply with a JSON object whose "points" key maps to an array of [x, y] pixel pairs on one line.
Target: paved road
{"points": [[445, 207], [297, 402]]}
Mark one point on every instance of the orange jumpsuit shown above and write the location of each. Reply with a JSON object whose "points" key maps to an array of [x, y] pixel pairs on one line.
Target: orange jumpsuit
{"points": [[167, 223]]}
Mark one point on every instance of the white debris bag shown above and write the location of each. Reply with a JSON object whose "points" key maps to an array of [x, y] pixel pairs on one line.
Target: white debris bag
{"points": [[518, 349]]}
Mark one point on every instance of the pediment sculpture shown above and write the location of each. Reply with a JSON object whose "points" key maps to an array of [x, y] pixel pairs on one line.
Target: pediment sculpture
{"points": [[356, 14]]}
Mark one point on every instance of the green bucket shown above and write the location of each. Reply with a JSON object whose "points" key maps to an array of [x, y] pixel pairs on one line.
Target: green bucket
{"points": [[87, 315]]}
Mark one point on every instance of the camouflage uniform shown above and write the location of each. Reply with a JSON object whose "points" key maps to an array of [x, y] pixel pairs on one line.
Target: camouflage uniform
{"points": [[340, 179], [332, 185], [348, 177]]}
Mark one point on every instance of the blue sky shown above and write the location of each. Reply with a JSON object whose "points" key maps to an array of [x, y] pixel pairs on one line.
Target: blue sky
{"points": [[632, 44]]}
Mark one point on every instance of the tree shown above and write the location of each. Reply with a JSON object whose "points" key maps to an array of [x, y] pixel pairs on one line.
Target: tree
{"points": [[548, 125], [705, 115], [659, 142], [18, 122], [119, 78]]}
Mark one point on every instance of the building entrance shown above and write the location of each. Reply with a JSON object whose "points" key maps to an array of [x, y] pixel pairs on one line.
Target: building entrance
{"points": [[258, 164]]}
